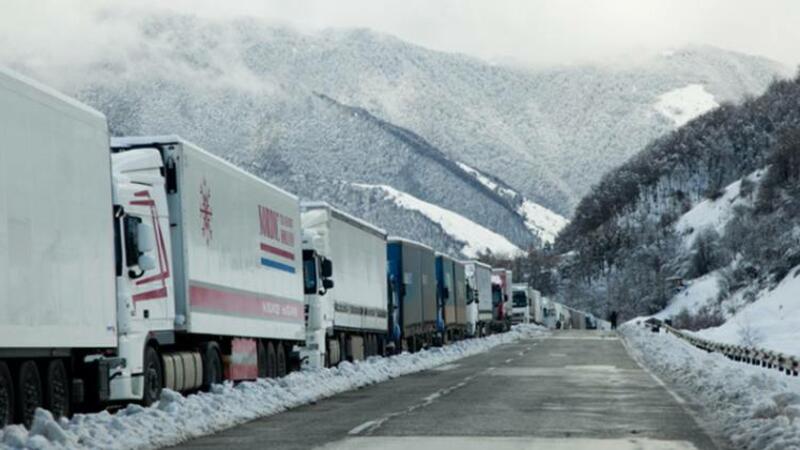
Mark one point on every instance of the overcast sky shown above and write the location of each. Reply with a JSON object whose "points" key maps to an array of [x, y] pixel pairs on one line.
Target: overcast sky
{"points": [[537, 32]]}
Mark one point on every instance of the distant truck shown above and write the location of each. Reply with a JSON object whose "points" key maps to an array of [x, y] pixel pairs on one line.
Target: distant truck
{"points": [[501, 299], [350, 322], [480, 310], [412, 299], [155, 264], [522, 302]]}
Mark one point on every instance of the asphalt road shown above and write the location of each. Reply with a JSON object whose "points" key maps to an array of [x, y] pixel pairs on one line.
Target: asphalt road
{"points": [[572, 390]]}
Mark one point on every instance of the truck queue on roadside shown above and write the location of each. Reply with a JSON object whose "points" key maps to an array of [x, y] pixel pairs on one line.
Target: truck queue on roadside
{"points": [[133, 264]]}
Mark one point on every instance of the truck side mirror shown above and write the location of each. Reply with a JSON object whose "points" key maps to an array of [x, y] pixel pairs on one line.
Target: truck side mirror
{"points": [[146, 262], [146, 239], [327, 283], [326, 268]]}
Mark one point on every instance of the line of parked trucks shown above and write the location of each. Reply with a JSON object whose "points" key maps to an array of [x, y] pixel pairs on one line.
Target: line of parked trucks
{"points": [[130, 265]]}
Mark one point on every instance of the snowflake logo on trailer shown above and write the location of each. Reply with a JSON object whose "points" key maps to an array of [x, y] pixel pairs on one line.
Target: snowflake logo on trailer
{"points": [[205, 211]]}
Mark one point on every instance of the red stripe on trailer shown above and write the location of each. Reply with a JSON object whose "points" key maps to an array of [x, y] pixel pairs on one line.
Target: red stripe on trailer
{"points": [[151, 295], [244, 360], [246, 304], [142, 194], [277, 251], [143, 202]]}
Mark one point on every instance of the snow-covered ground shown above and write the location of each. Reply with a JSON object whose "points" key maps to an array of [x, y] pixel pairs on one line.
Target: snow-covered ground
{"points": [[176, 418], [714, 214], [684, 104], [699, 293], [756, 409], [771, 322], [476, 238]]}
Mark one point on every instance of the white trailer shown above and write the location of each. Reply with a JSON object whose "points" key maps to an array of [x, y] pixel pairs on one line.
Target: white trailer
{"points": [[349, 322], [57, 259], [157, 266], [226, 287], [479, 278]]}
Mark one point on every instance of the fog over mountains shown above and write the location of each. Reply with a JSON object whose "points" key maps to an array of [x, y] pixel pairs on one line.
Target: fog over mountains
{"points": [[337, 114]]}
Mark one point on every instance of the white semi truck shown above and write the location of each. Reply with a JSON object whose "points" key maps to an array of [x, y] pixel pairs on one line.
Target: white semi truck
{"points": [[351, 321], [479, 311], [159, 266]]}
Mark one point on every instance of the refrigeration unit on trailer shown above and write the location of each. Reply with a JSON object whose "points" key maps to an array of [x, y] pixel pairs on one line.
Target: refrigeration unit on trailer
{"points": [[537, 307], [522, 299], [350, 321], [57, 251], [479, 312], [412, 298], [224, 275]]}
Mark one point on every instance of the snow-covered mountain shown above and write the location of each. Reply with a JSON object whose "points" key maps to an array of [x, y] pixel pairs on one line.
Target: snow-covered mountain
{"points": [[509, 149]]}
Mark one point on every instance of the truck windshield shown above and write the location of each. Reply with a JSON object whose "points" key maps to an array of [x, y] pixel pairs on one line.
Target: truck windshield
{"points": [[520, 299], [497, 295]]}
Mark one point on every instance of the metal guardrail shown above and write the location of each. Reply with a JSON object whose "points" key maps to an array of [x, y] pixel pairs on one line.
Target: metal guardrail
{"points": [[790, 365]]}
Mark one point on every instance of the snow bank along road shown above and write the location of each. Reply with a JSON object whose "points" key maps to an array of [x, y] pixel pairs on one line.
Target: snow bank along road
{"points": [[175, 418], [569, 390]]}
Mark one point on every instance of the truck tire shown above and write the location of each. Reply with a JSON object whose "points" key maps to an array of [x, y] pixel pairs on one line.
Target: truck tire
{"points": [[281, 361], [153, 376], [56, 393], [272, 361], [29, 391], [212, 366], [6, 396], [261, 355]]}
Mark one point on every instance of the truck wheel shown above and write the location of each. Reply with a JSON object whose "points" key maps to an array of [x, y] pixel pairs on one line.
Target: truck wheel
{"points": [[272, 361], [29, 393], [153, 376], [6, 396], [281, 357], [261, 353], [212, 366], [56, 394]]}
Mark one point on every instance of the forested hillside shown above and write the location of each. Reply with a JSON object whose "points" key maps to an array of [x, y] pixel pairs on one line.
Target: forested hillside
{"points": [[624, 249]]}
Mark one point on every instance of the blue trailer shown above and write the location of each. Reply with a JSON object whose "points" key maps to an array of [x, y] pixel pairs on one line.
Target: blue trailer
{"points": [[412, 300]]}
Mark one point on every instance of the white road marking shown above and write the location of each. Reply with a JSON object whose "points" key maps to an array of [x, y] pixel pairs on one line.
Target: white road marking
{"points": [[503, 443], [372, 425]]}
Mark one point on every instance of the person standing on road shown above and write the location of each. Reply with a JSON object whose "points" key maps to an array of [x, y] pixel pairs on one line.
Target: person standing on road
{"points": [[613, 319]]}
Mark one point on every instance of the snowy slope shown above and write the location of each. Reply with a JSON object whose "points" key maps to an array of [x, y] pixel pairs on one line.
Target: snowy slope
{"points": [[699, 293], [684, 104], [476, 238], [772, 321], [714, 214], [543, 222], [549, 134]]}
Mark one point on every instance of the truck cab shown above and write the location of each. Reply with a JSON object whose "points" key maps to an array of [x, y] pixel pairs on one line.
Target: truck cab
{"points": [[521, 304], [317, 273]]}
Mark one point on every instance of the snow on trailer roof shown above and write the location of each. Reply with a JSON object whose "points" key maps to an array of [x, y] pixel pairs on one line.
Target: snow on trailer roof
{"points": [[143, 141], [338, 213], [477, 263], [410, 242], [8, 77]]}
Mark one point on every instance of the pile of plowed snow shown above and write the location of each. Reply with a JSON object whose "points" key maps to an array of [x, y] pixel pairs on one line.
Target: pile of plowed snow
{"points": [[756, 408], [176, 418]]}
